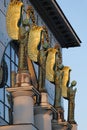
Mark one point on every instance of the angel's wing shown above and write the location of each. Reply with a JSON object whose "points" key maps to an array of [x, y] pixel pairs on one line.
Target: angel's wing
{"points": [[65, 81], [50, 64], [34, 41], [12, 18]]}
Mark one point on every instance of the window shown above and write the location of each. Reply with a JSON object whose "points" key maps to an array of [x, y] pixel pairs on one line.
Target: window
{"points": [[9, 64]]}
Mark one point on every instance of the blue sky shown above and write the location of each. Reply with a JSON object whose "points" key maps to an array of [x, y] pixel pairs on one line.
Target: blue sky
{"points": [[76, 13]]}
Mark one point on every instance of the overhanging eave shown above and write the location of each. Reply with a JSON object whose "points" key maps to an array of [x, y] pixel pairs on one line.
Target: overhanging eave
{"points": [[55, 19]]}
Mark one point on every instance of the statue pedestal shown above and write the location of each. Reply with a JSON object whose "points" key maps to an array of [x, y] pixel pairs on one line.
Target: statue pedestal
{"points": [[58, 115], [22, 104], [61, 126], [23, 113], [19, 127], [43, 113]]}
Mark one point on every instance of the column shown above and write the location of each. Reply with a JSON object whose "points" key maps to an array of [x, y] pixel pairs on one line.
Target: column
{"points": [[22, 99], [43, 113]]}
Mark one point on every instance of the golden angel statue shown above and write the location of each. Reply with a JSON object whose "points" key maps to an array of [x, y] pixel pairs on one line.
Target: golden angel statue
{"points": [[18, 29]]}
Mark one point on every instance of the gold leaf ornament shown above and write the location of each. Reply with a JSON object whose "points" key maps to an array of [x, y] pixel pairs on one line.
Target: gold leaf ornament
{"points": [[50, 64], [65, 80], [12, 18], [34, 41]]}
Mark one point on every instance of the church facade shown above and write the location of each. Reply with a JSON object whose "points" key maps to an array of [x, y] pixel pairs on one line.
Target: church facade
{"points": [[22, 104]]}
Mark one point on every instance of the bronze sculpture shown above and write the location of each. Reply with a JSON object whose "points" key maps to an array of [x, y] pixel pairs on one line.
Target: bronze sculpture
{"points": [[42, 56], [23, 36], [49, 59], [71, 102], [38, 52], [23, 39], [58, 76], [19, 31]]}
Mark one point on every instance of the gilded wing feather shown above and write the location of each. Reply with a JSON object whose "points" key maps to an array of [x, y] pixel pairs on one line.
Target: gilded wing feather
{"points": [[33, 42], [12, 18], [65, 80], [50, 64]]}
